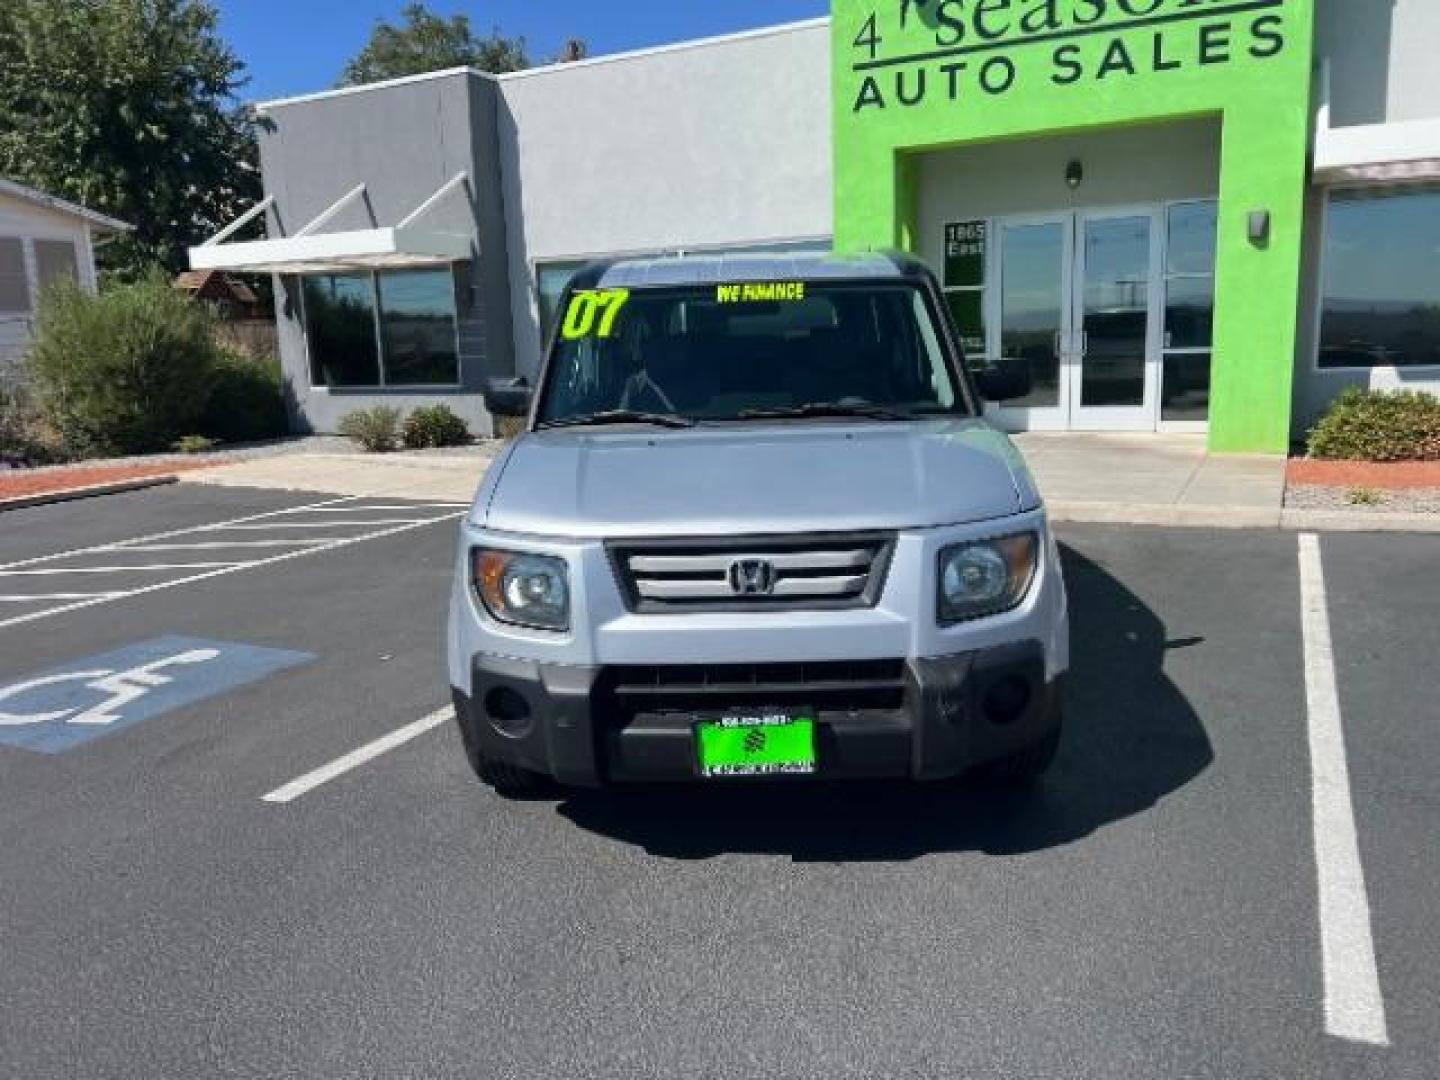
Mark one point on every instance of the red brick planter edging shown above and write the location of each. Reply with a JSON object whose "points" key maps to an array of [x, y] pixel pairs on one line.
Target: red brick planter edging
{"points": [[1386, 476], [16, 483]]}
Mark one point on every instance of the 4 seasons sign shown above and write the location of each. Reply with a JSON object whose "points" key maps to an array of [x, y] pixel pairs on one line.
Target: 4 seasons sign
{"points": [[911, 52]]}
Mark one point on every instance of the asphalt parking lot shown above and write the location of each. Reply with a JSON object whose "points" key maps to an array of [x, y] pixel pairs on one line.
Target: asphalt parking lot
{"points": [[1165, 904]]}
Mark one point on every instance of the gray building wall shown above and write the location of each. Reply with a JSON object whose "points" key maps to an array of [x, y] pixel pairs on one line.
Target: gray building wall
{"points": [[1379, 58], [403, 141], [716, 143]]}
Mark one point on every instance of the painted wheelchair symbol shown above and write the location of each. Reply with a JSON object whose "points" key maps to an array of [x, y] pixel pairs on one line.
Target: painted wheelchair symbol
{"points": [[121, 687]]}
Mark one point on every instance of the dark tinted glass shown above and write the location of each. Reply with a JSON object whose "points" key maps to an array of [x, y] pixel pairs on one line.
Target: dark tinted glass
{"points": [[340, 315], [1185, 387], [417, 311], [1189, 312], [683, 351], [1382, 292]]}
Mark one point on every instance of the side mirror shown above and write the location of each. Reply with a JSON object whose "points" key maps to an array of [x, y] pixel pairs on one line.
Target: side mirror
{"points": [[509, 399], [1007, 380]]}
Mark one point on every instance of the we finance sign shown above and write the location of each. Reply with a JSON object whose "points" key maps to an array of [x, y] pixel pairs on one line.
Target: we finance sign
{"points": [[909, 53]]}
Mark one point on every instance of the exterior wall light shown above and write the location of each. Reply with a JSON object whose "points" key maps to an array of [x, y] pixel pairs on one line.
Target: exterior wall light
{"points": [[1258, 226], [1074, 174]]}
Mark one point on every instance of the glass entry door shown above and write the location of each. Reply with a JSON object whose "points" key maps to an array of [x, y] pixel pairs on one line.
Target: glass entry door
{"points": [[1077, 305], [1115, 359]]}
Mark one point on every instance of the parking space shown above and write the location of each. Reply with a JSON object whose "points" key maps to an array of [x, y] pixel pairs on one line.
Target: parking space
{"points": [[67, 580], [1151, 910]]}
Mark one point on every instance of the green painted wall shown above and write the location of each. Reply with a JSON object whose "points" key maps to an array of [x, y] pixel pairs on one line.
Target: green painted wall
{"points": [[917, 75]]}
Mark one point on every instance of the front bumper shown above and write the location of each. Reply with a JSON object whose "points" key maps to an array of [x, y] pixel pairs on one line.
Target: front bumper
{"points": [[921, 719]]}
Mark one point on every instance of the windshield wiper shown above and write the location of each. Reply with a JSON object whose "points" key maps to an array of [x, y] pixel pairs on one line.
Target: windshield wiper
{"points": [[826, 408], [618, 416]]}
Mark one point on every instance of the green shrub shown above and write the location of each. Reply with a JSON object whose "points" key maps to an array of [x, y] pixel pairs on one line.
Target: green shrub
{"points": [[377, 429], [1377, 425], [247, 402], [127, 371], [435, 426], [25, 437]]}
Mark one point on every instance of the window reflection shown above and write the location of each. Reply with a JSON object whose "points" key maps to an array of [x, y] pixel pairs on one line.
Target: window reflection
{"points": [[1031, 307], [340, 313], [418, 319], [1381, 305]]}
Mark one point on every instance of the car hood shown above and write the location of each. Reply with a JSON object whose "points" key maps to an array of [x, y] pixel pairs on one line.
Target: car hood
{"points": [[755, 479]]}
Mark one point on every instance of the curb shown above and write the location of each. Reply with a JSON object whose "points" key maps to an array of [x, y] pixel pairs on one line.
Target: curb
{"points": [[1238, 517], [119, 487]]}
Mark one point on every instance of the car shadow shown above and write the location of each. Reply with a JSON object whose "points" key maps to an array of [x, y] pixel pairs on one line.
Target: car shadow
{"points": [[1130, 739]]}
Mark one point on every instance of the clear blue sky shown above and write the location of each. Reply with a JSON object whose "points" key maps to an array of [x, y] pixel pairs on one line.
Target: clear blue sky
{"points": [[299, 46]]}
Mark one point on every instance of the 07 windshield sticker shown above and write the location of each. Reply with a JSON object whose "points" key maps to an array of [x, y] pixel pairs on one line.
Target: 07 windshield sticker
{"points": [[593, 313], [760, 292]]}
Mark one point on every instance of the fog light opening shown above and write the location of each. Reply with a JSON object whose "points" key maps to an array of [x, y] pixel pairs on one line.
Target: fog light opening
{"points": [[509, 713], [1007, 700]]}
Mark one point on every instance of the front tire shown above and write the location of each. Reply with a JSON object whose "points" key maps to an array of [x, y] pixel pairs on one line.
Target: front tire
{"points": [[1023, 769], [508, 781]]}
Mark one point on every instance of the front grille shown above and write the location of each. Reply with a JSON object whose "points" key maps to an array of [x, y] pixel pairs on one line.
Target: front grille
{"points": [[827, 685], [754, 573]]}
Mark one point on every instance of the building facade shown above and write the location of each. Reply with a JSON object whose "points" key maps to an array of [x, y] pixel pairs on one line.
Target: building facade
{"points": [[42, 238], [1193, 215]]}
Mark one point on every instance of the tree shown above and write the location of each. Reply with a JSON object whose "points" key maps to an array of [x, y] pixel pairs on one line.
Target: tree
{"points": [[426, 42], [573, 51], [128, 107]]}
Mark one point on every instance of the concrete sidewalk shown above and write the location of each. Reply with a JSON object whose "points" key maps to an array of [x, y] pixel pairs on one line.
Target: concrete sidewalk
{"points": [[442, 477], [1149, 479]]}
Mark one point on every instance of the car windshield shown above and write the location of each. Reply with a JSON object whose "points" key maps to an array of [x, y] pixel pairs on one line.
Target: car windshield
{"points": [[747, 351]]}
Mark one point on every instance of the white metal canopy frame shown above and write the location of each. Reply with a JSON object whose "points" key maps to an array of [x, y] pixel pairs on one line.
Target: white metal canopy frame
{"points": [[407, 245], [1391, 153]]}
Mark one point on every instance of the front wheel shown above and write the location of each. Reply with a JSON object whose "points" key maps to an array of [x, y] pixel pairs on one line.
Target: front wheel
{"points": [[507, 780], [1026, 767]]}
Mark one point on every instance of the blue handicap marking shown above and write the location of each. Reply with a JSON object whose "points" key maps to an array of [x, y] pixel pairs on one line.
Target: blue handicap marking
{"points": [[63, 707]]}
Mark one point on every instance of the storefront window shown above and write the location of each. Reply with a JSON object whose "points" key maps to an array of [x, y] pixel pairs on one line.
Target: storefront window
{"points": [[966, 244], [550, 282], [1381, 301], [417, 316], [1190, 237], [411, 313], [340, 316]]}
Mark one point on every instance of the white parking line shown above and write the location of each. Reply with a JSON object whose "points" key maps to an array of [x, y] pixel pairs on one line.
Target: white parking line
{"points": [[353, 760], [1354, 1007], [215, 545], [376, 524], [56, 572], [300, 549], [6, 598], [128, 545]]}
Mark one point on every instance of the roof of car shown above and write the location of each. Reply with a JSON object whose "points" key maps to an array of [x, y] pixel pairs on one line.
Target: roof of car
{"points": [[682, 270]]}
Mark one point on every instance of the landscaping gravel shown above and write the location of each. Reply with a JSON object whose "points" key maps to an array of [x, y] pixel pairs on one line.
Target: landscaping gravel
{"points": [[1408, 501]]}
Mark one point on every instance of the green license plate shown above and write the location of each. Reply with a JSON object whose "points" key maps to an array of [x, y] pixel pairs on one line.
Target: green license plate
{"points": [[760, 745]]}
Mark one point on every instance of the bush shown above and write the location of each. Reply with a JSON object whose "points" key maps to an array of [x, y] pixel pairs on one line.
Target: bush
{"points": [[1375, 425], [25, 438], [127, 371], [433, 427], [247, 402], [377, 429]]}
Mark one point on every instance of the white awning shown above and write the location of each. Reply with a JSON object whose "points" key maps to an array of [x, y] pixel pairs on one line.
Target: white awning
{"points": [[407, 245], [1400, 152]]}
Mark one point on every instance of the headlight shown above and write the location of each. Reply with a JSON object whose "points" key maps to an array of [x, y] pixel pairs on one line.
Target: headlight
{"points": [[985, 577], [523, 590]]}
